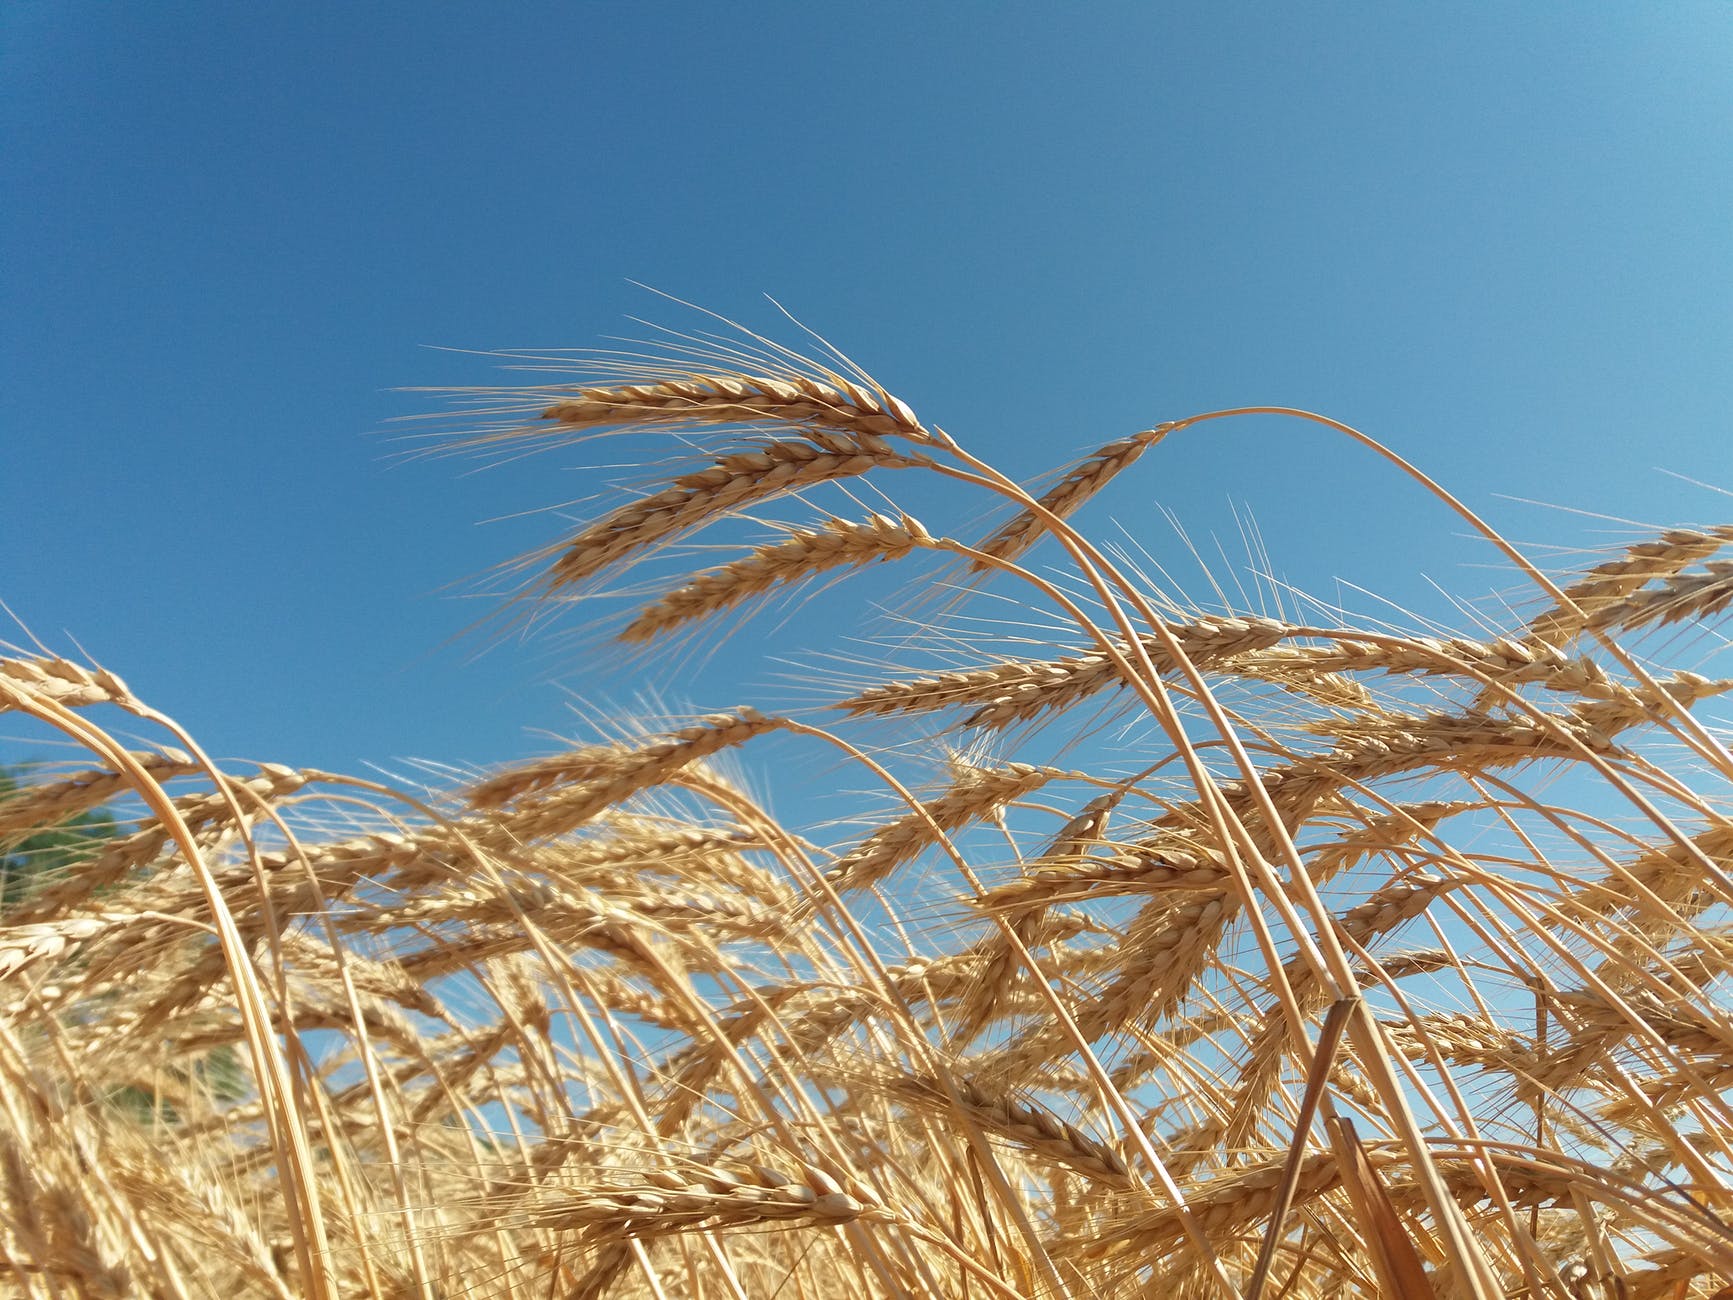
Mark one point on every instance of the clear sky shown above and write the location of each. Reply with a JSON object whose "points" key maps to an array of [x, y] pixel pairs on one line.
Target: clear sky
{"points": [[1497, 236]]}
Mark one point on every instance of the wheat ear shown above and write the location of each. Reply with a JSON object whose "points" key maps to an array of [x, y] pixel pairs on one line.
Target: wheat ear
{"points": [[1070, 493], [707, 1197], [62, 681], [838, 405], [604, 767], [1604, 587], [731, 483], [975, 794], [836, 543], [49, 803]]}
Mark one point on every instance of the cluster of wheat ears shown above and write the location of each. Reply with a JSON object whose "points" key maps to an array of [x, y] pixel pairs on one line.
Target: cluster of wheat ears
{"points": [[1195, 952]]}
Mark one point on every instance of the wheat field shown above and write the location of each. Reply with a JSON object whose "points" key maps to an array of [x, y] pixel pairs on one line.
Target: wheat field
{"points": [[1158, 948]]}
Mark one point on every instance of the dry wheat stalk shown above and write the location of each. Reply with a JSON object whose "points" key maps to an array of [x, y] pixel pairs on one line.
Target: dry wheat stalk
{"points": [[631, 1011], [833, 403], [1224, 1206], [1069, 495], [1687, 596], [1031, 1127], [1030, 925], [974, 795], [806, 551], [25, 945], [1385, 910], [1004, 694], [1469, 1040], [1673, 873], [49, 803], [642, 845], [59, 680], [1509, 661], [1165, 865], [608, 767], [709, 1197], [733, 482], [207, 815], [1602, 588]]}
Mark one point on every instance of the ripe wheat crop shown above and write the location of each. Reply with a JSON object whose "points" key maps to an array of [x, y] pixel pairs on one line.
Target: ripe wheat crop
{"points": [[1349, 961]]}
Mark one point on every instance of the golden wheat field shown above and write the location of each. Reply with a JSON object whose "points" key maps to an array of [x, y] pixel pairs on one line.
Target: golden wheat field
{"points": [[1168, 949]]}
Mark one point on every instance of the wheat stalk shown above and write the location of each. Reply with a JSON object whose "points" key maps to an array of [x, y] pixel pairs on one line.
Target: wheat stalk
{"points": [[606, 1024], [806, 551]]}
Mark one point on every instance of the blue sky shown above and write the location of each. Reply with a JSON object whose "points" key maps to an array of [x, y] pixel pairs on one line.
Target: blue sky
{"points": [[1495, 236]]}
